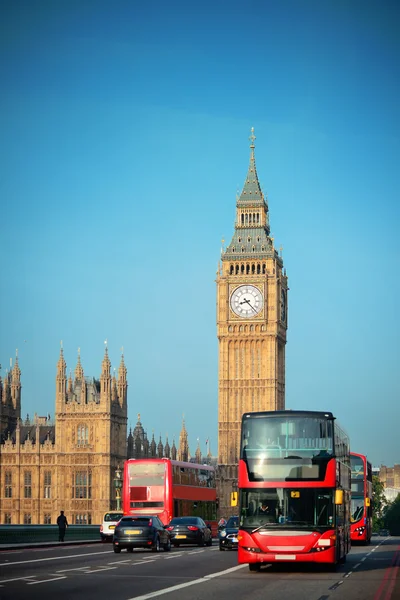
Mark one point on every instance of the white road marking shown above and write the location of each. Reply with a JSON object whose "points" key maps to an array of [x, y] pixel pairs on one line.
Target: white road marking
{"points": [[196, 552], [99, 570], [18, 578], [28, 562], [184, 585], [357, 565], [45, 580], [77, 569]]}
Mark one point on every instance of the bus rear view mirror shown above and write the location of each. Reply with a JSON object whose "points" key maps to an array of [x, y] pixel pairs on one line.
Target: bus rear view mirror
{"points": [[339, 497]]}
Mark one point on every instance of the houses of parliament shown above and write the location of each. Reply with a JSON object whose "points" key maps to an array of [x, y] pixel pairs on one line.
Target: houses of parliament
{"points": [[70, 464]]}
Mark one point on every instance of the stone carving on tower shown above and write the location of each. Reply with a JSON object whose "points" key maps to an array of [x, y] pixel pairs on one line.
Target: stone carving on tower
{"points": [[252, 290]]}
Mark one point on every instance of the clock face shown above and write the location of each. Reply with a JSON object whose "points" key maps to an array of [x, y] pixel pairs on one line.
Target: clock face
{"points": [[283, 306], [246, 301]]}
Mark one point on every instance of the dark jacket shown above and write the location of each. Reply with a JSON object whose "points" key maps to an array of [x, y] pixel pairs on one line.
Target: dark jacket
{"points": [[62, 521]]}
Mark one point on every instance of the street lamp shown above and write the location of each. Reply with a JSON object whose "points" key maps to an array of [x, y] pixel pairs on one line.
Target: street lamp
{"points": [[118, 486]]}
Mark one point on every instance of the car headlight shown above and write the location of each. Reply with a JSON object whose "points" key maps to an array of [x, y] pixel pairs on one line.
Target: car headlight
{"points": [[222, 533]]}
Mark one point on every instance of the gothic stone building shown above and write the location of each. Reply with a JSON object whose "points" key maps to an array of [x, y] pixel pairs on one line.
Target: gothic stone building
{"points": [[70, 465], [252, 290]]}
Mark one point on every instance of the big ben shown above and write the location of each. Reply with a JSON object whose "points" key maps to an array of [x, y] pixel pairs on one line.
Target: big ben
{"points": [[252, 292]]}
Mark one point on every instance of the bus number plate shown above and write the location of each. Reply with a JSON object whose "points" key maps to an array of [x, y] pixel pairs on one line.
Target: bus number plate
{"points": [[285, 557]]}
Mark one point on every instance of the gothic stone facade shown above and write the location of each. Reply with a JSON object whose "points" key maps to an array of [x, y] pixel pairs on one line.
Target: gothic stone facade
{"points": [[70, 464]]}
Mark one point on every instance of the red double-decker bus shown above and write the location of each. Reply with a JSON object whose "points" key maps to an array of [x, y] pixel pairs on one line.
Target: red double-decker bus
{"points": [[361, 499], [169, 488], [294, 489]]}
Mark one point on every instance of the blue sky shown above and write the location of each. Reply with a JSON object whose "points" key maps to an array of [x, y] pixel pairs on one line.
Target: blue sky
{"points": [[124, 140]]}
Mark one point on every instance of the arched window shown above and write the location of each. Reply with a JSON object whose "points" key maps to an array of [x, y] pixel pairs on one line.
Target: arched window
{"points": [[258, 268], [247, 269], [264, 269], [231, 270], [83, 436], [242, 219], [253, 249], [253, 268], [237, 270], [242, 268]]}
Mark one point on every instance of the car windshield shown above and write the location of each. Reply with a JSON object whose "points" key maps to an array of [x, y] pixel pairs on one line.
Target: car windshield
{"points": [[184, 521], [112, 517], [233, 522]]}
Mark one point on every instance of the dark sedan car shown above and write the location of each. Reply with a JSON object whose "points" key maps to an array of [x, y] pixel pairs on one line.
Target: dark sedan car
{"points": [[141, 532], [189, 530], [228, 535]]}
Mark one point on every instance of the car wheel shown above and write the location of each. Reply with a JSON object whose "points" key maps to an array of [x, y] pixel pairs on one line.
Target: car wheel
{"points": [[167, 546], [156, 547], [209, 543], [176, 545], [117, 550], [201, 542], [254, 566], [221, 548], [129, 549]]}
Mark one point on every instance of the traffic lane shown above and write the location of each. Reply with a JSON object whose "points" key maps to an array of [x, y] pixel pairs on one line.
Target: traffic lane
{"points": [[16, 555], [112, 575], [376, 579]]}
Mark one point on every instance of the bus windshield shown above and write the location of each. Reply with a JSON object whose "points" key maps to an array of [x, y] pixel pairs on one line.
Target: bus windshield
{"points": [[287, 508], [287, 437]]}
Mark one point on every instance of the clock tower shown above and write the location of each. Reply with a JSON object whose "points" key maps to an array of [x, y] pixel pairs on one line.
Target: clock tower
{"points": [[252, 292]]}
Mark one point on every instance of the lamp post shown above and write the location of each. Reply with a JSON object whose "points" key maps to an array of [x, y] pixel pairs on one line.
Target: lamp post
{"points": [[118, 486]]}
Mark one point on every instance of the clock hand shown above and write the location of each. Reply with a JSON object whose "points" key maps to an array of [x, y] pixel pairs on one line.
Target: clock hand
{"points": [[248, 302]]}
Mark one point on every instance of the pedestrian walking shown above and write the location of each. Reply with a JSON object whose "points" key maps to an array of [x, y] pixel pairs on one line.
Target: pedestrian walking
{"points": [[62, 526]]}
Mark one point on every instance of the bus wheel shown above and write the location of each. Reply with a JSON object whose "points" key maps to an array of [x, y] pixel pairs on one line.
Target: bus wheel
{"points": [[343, 559], [254, 566]]}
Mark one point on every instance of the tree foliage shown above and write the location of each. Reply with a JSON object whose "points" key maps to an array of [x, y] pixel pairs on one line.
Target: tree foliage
{"points": [[392, 516], [378, 503]]}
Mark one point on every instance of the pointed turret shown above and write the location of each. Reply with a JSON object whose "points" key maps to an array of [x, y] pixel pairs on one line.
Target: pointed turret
{"points": [[183, 451], [16, 387], [61, 382], [167, 449], [198, 452], [160, 449], [79, 375], [153, 447], [173, 450], [130, 445], [105, 380], [122, 383]]}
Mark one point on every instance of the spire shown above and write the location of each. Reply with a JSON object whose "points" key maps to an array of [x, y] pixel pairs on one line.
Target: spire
{"points": [[251, 192], [106, 364], [198, 452], [251, 238], [183, 451], [153, 447], [160, 449], [167, 449], [122, 370], [16, 371], [61, 365], [173, 450], [78, 368]]}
